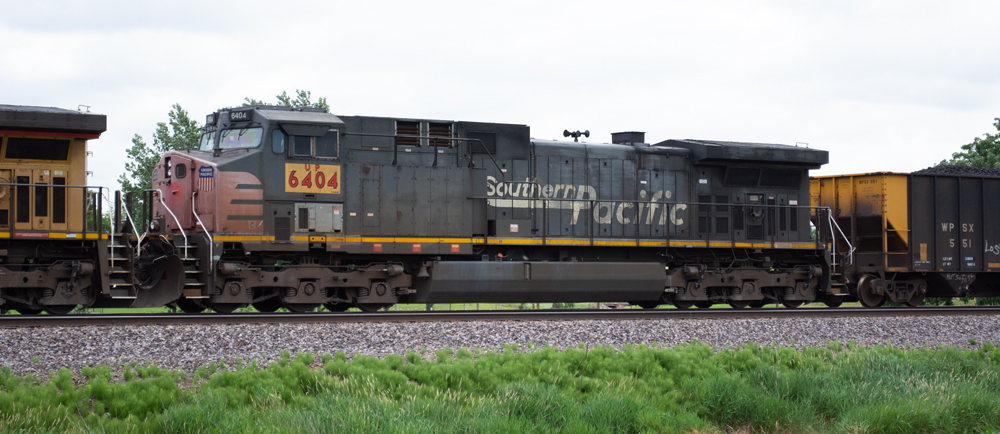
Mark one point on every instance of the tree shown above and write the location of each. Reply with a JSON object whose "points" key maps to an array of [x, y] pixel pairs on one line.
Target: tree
{"points": [[982, 152], [302, 99], [179, 133]]}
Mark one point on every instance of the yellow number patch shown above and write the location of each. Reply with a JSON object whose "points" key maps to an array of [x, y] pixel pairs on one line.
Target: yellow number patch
{"points": [[312, 178]]}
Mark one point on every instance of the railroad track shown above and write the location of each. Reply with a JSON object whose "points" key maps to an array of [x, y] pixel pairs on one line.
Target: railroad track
{"points": [[492, 315]]}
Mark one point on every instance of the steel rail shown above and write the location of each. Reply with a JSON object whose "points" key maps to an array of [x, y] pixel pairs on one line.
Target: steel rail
{"points": [[493, 315]]}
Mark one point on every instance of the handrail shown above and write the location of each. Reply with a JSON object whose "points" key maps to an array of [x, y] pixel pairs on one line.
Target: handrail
{"points": [[833, 224], [211, 240], [135, 231], [160, 195]]}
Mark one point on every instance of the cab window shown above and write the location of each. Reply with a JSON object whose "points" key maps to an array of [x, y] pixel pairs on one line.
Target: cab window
{"points": [[240, 138], [325, 146], [277, 141], [207, 141]]}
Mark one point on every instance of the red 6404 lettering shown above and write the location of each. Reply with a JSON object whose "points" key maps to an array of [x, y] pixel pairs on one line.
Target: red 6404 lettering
{"points": [[320, 179], [307, 181], [292, 180], [333, 180]]}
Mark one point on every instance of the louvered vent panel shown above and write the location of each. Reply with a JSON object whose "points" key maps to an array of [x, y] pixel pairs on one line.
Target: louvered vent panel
{"points": [[407, 128]]}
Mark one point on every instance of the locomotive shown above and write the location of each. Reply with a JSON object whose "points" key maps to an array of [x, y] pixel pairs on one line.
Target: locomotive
{"points": [[53, 250], [297, 208]]}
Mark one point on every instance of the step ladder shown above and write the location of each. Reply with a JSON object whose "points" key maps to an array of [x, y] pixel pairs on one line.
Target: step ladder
{"points": [[121, 280], [194, 277]]}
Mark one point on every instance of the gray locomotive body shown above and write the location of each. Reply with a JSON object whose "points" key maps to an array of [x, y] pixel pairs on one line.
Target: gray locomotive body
{"points": [[298, 207]]}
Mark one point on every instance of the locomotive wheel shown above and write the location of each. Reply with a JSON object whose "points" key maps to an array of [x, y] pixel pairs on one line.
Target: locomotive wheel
{"points": [[739, 304], [792, 304], [834, 301], [60, 309], [683, 304], [337, 307], [27, 311], [866, 295], [269, 305], [189, 306], [371, 307], [757, 304], [301, 307], [916, 300], [226, 307], [703, 304]]}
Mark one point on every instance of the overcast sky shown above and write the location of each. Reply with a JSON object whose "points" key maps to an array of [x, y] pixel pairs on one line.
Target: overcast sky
{"points": [[882, 85]]}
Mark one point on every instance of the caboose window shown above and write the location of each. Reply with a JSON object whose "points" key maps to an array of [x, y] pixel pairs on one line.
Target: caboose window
{"points": [[37, 149], [240, 138]]}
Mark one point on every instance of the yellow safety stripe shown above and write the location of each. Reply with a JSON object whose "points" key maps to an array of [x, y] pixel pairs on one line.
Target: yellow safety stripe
{"points": [[618, 242], [60, 235]]}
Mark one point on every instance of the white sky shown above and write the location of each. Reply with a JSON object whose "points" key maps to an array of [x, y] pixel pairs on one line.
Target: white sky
{"points": [[882, 85]]}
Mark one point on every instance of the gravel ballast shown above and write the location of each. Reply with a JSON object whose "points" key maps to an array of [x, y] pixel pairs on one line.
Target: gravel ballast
{"points": [[40, 350]]}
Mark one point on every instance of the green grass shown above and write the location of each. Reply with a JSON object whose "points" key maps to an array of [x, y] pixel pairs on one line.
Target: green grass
{"points": [[691, 388]]}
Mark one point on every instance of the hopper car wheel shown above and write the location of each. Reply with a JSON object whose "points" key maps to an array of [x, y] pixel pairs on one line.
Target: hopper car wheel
{"points": [[647, 304], [371, 307], [337, 307], [866, 292], [917, 299], [226, 307], [739, 304], [757, 304], [834, 301], [703, 304], [189, 306], [61, 309], [268, 306], [301, 307], [792, 304], [27, 311]]}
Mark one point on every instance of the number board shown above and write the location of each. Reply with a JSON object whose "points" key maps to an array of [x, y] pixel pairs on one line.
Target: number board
{"points": [[312, 178]]}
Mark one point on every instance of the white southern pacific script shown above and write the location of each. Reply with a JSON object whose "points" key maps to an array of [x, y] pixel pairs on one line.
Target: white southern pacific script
{"points": [[525, 194]]}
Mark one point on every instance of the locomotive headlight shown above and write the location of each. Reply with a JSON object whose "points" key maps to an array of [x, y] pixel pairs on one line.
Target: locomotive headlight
{"points": [[154, 225]]}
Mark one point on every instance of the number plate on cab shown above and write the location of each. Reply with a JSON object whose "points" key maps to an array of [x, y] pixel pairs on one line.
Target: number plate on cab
{"points": [[312, 178]]}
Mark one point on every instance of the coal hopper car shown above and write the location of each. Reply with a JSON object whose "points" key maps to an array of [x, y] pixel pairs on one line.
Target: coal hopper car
{"points": [[914, 235]]}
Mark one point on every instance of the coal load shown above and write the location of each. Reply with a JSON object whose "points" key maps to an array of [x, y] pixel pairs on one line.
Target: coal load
{"points": [[959, 171]]}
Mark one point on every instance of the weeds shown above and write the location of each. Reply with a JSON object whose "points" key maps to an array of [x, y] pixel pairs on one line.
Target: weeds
{"points": [[836, 388]]}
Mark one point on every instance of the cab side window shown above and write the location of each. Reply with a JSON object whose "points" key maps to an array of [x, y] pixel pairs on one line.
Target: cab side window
{"points": [[278, 141], [325, 146]]}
